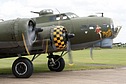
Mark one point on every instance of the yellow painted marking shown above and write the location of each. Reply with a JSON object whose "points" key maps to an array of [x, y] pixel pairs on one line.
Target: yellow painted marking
{"points": [[61, 38], [71, 64], [26, 48], [58, 35], [54, 33], [55, 39], [62, 42], [59, 41], [46, 46], [107, 33], [56, 44]]}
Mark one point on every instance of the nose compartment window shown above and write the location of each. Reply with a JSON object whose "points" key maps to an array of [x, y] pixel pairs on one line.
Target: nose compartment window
{"points": [[112, 26], [106, 26]]}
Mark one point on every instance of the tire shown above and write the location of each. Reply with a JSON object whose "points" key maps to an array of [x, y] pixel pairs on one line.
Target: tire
{"points": [[22, 68], [59, 65]]}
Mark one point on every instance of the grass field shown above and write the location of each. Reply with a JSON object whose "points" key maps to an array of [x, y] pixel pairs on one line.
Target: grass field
{"points": [[103, 59]]}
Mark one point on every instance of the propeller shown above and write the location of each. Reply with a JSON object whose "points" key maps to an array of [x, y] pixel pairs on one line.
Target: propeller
{"points": [[91, 53], [69, 36], [30, 36], [61, 39]]}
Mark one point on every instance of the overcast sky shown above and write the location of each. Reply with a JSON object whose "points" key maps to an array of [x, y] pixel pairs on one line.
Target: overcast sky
{"points": [[115, 9]]}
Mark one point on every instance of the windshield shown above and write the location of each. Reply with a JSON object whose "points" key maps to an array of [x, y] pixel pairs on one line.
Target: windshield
{"points": [[71, 15], [63, 16]]}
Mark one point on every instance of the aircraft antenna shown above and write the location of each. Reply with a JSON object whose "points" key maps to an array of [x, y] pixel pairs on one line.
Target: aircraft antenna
{"points": [[59, 16], [102, 14]]}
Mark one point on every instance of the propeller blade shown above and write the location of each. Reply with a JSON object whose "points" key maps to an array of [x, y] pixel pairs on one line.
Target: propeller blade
{"points": [[29, 37], [91, 53], [32, 38], [69, 53], [69, 48]]}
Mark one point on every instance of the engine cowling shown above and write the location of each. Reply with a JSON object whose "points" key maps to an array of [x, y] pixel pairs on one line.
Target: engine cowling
{"points": [[56, 37], [59, 37], [11, 32], [27, 28]]}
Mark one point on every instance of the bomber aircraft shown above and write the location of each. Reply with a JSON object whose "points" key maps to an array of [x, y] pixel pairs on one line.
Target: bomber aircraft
{"points": [[49, 33]]}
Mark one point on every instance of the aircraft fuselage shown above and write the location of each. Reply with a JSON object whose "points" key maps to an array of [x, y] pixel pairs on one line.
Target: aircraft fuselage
{"points": [[84, 28]]}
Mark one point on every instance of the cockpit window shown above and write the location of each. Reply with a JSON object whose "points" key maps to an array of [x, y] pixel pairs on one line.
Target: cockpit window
{"points": [[71, 15], [64, 16], [61, 17]]}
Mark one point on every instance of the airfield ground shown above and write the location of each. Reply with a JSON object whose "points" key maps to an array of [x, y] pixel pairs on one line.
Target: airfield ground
{"points": [[108, 76], [106, 68]]}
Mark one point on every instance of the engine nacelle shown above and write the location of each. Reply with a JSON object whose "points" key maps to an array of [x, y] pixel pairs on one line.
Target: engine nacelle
{"points": [[57, 37], [11, 32]]}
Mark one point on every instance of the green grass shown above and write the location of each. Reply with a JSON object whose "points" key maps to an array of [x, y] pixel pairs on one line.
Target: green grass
{"points": [[103, 59]]}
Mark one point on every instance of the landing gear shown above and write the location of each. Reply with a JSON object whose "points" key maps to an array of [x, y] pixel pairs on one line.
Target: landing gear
{"points": [[22, 68], [56, 63]]}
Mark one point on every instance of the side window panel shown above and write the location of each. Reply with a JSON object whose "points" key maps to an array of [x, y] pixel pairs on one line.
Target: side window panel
{"points": [[84, 27], [91, 27]]}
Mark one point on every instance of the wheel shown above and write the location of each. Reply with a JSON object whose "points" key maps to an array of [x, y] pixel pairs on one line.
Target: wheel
{"points": [[58, 65], [22, 68]]}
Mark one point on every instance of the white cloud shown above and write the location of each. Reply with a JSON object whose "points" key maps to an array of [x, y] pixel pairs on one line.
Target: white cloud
{"points": [[21, 8]]}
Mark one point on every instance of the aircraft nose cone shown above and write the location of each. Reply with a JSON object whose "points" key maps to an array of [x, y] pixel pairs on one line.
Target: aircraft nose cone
{"points": [[116, 31]]}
